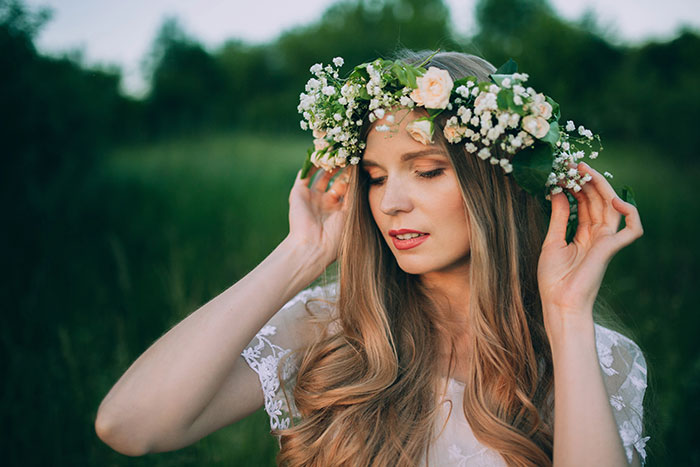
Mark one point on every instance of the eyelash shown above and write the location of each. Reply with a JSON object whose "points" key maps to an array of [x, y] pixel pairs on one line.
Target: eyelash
{"points": [[429, 174]]}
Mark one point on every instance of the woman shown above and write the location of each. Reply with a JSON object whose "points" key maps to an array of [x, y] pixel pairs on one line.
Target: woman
{"points": [[456, 309]]}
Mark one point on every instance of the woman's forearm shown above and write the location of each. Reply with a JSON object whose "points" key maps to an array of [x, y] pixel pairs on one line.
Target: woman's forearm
{"points": [[585, 432], [172, 382]]}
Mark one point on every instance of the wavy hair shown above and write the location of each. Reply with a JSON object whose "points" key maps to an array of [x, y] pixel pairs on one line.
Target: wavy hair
{"points": [[367, 393]]}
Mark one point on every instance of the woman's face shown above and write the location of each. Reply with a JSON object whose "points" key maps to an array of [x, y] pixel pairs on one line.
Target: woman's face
{"points": [[414, 189]]}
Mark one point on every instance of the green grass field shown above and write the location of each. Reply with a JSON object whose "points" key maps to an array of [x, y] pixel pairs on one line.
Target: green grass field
{"points": [[161, 229]]}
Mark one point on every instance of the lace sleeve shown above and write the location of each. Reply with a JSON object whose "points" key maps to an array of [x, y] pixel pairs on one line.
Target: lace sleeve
{"points": [[275, 351], [625, 378]]}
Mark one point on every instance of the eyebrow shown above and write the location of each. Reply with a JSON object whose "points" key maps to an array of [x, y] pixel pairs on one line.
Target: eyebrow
{"points": [[407, 156]]}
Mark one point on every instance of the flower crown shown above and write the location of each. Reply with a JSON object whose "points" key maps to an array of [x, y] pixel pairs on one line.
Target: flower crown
{"points": [[500, 120]]}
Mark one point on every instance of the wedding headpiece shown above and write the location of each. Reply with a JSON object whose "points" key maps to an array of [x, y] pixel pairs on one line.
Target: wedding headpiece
{"points": [[501, 121]]}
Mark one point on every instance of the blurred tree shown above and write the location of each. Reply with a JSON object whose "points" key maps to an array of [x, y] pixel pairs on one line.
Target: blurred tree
{"points": [[186, 83], [57, 119]]}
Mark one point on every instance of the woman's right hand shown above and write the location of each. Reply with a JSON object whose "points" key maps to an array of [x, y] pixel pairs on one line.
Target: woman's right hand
{"points": [[317, 214]]}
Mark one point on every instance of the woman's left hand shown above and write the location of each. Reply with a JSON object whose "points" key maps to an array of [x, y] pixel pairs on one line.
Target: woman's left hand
{"points": [[569, 275]]}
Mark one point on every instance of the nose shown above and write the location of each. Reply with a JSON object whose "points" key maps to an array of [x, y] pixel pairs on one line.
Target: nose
{"points": [[395, 197]]}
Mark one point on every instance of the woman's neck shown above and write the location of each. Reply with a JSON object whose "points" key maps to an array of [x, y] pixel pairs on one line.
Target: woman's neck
{"points": [[449, 291]]}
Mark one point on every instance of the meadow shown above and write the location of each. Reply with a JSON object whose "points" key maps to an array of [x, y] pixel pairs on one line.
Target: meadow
{"points": [[159, 229]]}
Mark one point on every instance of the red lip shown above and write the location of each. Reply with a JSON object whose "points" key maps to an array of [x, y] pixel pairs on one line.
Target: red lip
{"points": [[411, 242], [394, 233]]}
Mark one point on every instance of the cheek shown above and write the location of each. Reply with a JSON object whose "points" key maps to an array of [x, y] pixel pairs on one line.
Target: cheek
{"points": [[452, 207], [373, 200]]}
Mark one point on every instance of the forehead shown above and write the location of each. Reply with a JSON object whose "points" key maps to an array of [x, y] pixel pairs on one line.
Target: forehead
{"points": [[397, 145]]}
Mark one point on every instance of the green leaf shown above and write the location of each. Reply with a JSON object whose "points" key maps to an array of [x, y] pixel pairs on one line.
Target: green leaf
{"points": [[508, 68], [360, 71], [555, 107], [531, 167], [484, 86], [628, 195], [411, 74], [504, 99], [552, 135], [464, 81], [400, 74], [306, 166], [498, 79]]}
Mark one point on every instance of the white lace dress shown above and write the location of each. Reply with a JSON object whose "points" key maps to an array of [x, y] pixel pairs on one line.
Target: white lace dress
{"points": [[621, 361]]}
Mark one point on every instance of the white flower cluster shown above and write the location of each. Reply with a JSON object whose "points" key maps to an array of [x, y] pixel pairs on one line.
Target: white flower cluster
{"points": [[564, 173], [494, 120], [335, 110]]}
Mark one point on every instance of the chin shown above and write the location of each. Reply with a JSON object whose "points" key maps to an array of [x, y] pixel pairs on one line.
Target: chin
{"points": [[415, 267], [418, 267]]}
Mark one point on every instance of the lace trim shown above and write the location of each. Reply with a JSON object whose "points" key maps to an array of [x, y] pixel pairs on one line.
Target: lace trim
{"points": [[266, 368], [628, 415], [264, 358]]}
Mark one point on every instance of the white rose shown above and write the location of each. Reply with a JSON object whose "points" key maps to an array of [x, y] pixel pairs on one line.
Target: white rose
{"points": [[320, 143], [325, 160], [454, 134], [434, 88], [536, 126], [421, 130], [543, 109]]}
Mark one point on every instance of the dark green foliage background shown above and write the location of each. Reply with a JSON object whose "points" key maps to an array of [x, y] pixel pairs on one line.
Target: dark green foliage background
{"points": [[122, 216]]}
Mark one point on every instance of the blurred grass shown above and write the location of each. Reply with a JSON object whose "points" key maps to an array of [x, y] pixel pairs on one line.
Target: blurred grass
{"points": [[161, 229]]}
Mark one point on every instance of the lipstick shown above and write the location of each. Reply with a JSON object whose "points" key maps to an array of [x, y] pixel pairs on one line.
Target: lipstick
{"points": [[409, 243]]}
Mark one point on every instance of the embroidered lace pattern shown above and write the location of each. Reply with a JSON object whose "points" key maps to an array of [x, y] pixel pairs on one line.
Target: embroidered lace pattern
{"points": [[621, 361], [264, 358], [626, 380]]}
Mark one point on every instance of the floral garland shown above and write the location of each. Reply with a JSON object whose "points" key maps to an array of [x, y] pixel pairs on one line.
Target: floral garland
{"points": [[501, 120]]}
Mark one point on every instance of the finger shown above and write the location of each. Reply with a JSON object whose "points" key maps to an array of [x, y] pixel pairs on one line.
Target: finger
{"points": [[582, 208], [603, 187], [321, 182], [340, 183], [633, 224], [593, 198], [558, 220], [313, 170]]}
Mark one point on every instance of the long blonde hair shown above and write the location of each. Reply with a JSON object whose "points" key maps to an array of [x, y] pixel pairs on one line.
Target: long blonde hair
{"points": [[367, 393]]}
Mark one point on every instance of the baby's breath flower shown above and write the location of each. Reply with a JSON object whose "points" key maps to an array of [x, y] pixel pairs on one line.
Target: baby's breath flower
{"points": [[593, 155], [608, 174], [338, 61], [484, 153], [570, 126]]}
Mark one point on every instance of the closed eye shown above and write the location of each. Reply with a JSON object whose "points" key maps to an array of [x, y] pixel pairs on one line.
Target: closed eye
{"points": [[431, 173], [428, 174]]}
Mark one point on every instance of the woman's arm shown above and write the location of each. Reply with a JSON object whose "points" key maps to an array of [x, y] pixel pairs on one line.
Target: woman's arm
{"points": [[569, 277], [192, 380], [585, 431]]}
